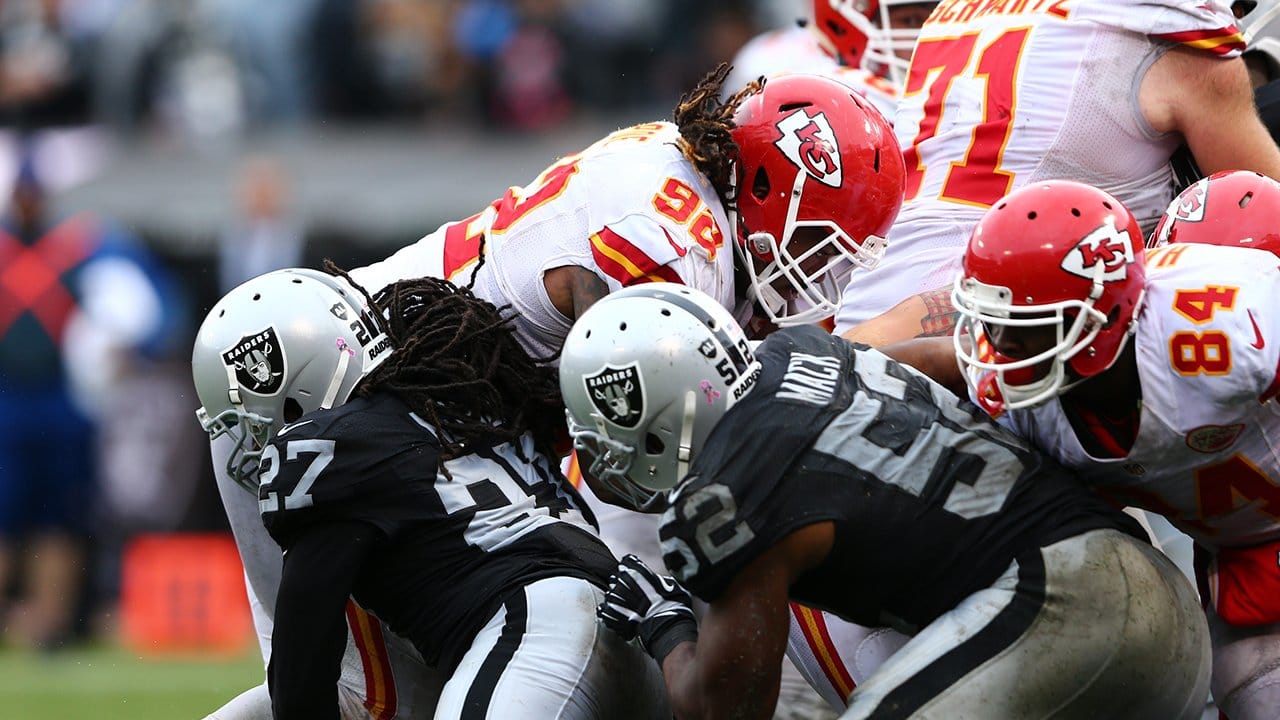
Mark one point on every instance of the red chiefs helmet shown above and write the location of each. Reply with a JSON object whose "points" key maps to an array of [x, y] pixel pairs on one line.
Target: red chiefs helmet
{"points": [[1234, 207], [1056, 259], [862, 32], [815, 156], [845, 27]]}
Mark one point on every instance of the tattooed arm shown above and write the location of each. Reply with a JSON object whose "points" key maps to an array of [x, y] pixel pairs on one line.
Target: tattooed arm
{"points": [[573, 289], [928, 314]]}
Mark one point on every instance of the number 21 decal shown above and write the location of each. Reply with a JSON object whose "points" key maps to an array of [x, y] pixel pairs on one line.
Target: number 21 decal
{"points": [[978, 179]]}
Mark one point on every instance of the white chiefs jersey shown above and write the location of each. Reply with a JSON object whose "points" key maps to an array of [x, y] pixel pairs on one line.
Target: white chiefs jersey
{"points": [[1002, 94], [796, 50], [1207, 348], [631, 208]]}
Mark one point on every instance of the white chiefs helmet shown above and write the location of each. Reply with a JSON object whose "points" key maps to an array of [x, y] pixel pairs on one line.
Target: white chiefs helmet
{"points": [[275, 348], [646, 373]]}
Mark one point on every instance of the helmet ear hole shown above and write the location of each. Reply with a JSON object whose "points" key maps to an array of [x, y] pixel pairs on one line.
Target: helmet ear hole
{"points": [[653, 444], [292, 410], [760, 184], [1113, 316]]}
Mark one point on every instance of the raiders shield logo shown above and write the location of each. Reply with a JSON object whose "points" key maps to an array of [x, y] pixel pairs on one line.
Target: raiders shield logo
{"points": [[618, 394], [259, 362]]}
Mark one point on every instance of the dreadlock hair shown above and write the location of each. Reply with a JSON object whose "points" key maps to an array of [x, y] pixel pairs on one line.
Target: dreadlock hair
{"points": [[458, 364], [705, 125]]}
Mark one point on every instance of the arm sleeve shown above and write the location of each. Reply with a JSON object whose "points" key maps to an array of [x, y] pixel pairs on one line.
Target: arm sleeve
{"points": [[1207, 26], [637, 249], [320, 567]]}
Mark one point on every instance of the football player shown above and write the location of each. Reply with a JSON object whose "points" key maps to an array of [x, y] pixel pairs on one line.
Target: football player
{"points": [[863, 45], [810, 468], [787, 188], [1152, 375], [867, 46], [402, 452], [1004, 95]]}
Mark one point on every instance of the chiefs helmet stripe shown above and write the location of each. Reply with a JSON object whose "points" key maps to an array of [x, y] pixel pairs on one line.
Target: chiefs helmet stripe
{"points": [[1222, 41], [814, 627], [626, 263], [380, 683]]}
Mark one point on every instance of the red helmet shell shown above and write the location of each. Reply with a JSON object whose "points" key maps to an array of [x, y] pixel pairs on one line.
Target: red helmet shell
{"points": [[812, 125], [1234, 207], [1063, 241]]}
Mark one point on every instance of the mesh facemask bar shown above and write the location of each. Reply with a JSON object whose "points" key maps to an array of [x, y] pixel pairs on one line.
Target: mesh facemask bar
{"points": [[884, 43], [611, 462], [684, 453], [980, 304], [819, 289], [335, 382], [248, 431]]}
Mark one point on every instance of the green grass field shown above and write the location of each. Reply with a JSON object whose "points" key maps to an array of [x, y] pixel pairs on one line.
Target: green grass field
{"points": [[109, 683]]}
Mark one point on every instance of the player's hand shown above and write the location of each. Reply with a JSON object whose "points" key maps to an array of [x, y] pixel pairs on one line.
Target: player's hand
{"points": [[641, 603]]}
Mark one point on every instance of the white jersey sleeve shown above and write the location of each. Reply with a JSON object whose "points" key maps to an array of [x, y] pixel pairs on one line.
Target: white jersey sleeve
{"points": [[631, 208], [1208, 26], [1006, 94]]}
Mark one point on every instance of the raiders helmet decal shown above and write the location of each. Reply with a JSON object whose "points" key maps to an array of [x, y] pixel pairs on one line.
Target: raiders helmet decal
{"points": [[259, 362], [618, 394]]}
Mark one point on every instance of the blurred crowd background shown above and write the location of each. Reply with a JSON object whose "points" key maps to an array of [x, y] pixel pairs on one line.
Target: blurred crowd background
{"points": [[154, 153]]}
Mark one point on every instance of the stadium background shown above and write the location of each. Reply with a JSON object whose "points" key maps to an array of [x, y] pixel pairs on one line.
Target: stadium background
{"points": [[354, 127]]}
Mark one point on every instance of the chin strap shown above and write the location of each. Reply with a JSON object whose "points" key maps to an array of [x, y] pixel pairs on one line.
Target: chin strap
{"points": [[685, 450], [340, 372], [233, 388]]}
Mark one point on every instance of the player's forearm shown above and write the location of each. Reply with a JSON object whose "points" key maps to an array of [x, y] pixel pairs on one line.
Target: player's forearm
{"points": [[310, 629], [729, 691], [302, 687], [935, 357]]}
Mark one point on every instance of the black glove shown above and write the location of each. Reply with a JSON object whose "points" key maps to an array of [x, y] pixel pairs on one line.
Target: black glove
{"points": [[641, 603]]}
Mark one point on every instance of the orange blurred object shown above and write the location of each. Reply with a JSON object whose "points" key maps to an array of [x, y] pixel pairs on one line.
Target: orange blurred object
{"points": [[184, 593]]}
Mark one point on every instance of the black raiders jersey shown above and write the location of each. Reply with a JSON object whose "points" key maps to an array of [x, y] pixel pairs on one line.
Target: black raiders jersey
{"points": [[931, 500], [433, 557]]}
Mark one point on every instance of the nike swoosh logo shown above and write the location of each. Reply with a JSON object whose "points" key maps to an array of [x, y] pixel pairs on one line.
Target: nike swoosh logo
{"points": [[668, 584], [1261, 343], [287, 428]]}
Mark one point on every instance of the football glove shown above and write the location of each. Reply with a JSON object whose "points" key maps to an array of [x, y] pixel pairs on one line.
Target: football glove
{"points": [[642, 604]]}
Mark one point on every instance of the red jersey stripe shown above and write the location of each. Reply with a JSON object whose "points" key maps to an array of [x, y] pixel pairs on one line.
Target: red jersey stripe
{"points": [[1221, 41], [380, 683], [626, 263], [574, 475], [815, 632]]}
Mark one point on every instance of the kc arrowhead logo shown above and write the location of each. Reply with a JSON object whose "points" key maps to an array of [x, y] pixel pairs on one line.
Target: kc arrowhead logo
{"points": [[810, 143], [1106, 246]]}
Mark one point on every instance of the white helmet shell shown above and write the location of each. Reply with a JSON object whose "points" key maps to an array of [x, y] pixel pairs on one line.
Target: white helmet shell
{"points": [[278, 346], [646, 373]]}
